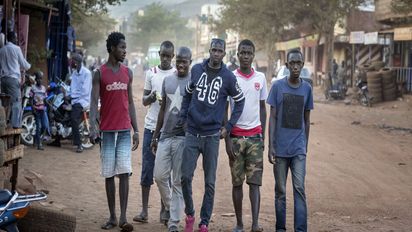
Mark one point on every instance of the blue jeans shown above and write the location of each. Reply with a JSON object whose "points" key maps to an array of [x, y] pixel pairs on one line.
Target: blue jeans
{"points": [[42, 124], [297, 165], [148, 159], [209, 147]]}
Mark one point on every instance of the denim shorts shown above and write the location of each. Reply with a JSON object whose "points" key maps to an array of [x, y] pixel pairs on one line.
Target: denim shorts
{"points": [[115, 153]]}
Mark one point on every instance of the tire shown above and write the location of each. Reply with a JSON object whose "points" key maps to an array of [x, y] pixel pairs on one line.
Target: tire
{"points": [[28, 127], [374, 92], [390, 97], [373, 75], [3, 120], [84, 136], [387, 80], [40, 219], [376, 81], [374, 85], [390, 87]]}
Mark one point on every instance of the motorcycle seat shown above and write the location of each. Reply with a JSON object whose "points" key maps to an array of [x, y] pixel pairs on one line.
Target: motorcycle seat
{"points": [[5, 196]]}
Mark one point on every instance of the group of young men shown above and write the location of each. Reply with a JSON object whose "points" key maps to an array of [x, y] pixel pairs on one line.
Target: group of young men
{"points": [[187, 116]]}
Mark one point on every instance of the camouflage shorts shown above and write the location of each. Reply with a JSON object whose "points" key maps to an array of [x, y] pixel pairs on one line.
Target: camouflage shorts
{"points": [[248, 161]]}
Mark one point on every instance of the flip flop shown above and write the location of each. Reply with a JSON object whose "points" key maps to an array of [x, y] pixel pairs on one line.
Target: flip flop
{"points": [[126, 227], [108, 225], [140, 218]]}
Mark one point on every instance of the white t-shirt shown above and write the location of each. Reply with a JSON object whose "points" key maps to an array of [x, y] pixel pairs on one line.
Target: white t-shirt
{"points": [[254, 88], [153, 82]]}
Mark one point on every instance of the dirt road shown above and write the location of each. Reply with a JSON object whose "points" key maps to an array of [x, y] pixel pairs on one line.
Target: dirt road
{"points": [[359, 175]]}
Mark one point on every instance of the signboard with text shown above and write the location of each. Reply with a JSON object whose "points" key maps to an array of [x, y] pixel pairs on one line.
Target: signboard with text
{"points": [[402, 34], [357, 37], [371, 38]]}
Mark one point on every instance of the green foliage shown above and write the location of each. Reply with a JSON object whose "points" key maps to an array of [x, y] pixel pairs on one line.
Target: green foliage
{"points": [[90, 29], [90, 6], [91, 21], [266, 21], [402, 6], [156, 25]]}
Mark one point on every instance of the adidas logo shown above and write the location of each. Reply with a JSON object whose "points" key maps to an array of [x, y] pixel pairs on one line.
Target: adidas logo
{"points": [[116, 86]]}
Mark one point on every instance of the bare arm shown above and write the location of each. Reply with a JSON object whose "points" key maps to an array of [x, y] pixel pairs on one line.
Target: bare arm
{"points": [[159, 125], [228, 140], [148, 97], [263, 117], [160, 118], [272, 135], [307, 127], [95, 95]]}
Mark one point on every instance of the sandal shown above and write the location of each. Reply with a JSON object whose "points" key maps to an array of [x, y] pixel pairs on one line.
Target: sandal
{"points": [[126, 227], [140, 218], [108, 225]]}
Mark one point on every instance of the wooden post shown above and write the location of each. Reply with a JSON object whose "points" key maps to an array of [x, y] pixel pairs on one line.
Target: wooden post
{"points": [[353, 66]]}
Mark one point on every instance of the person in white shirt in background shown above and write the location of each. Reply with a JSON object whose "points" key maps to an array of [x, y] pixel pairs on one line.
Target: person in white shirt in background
{"points": [[80, 88], [11, 63], [152, 98]]}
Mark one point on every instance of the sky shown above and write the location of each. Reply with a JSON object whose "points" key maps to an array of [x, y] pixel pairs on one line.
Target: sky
{"points": [[130, 6]]}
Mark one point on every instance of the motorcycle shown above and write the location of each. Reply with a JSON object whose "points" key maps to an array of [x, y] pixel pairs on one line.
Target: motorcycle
{"points": [[58, 111], [363, 93], [29, 81], [13, 207]]}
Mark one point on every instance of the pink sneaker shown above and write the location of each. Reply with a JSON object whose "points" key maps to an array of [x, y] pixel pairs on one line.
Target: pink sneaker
{"points": [[203, 228], [190, 221]]}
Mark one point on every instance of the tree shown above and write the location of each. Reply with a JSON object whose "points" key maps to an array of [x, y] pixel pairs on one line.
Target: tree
{"points": [[91, 21], [262, 21], [323, 16], [266, 21], [158, 24], [402, 6], [92, 6]]}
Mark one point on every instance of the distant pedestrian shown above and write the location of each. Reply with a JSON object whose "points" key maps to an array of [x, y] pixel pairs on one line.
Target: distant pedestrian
{"points": [[152, 98], [12, 62], [39, 93], [112, 84], [202, 113], [232, 66], [290, 101], [245, 144], [80, 90], [170, 143]]}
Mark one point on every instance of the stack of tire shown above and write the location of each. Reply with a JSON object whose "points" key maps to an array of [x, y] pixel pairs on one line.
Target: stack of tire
{"points": [[389, 91], [374, 79], [2, 130]]}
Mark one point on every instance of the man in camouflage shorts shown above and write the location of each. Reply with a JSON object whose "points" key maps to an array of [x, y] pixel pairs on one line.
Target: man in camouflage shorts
{"points": [[245, 144]]}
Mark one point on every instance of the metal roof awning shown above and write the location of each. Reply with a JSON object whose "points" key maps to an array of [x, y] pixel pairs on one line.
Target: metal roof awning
{"points": [[37, 5]]}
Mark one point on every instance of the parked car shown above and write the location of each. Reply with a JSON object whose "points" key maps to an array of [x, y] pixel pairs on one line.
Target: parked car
{"points": [[305, 74]]}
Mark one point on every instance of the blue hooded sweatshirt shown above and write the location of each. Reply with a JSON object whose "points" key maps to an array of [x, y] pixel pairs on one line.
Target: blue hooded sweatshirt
{"points": [[204, 103]]}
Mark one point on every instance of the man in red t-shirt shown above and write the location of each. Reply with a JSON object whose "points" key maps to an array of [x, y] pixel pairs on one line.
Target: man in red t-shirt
{"points": [[112, 83]]}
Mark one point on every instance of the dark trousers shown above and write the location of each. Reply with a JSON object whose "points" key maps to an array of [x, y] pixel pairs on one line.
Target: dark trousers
{"points": [[76, 117]]}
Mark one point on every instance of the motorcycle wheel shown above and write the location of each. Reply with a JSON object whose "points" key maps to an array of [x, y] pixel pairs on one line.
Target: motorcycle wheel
{"points": [[84, 136], [28, 129], [365, 101], [40, 219]]}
